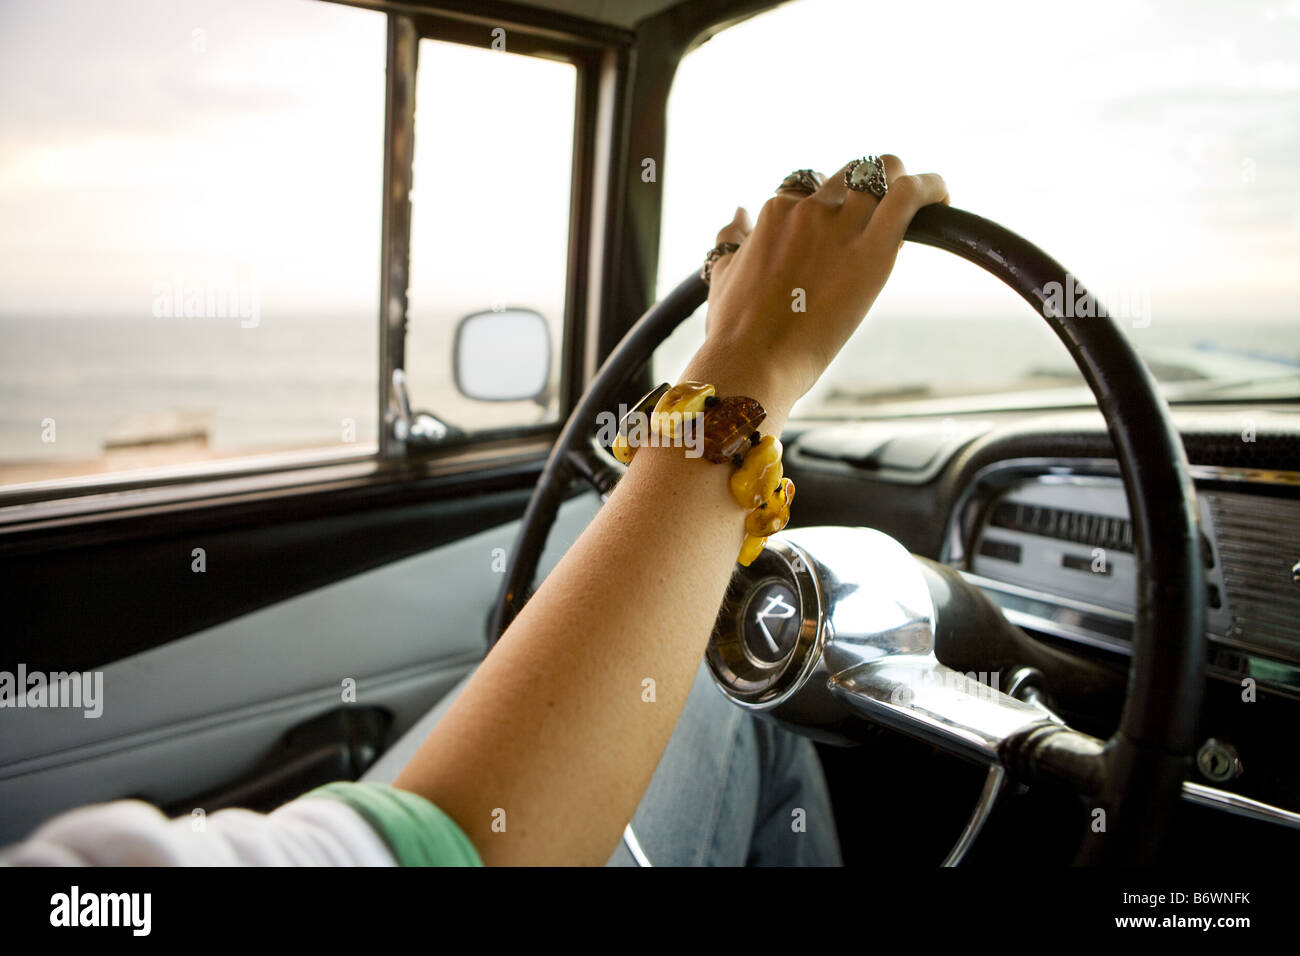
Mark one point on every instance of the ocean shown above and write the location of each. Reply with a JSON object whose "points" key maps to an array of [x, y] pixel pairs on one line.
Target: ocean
{"points": [[295, 381]]}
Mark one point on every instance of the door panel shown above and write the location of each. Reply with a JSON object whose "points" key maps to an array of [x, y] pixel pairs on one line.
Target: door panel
{"points": [[198, 713], [132, 574]]}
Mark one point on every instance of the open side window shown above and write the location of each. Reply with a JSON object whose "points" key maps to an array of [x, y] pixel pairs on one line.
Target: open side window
{"points": [[203, 229]]}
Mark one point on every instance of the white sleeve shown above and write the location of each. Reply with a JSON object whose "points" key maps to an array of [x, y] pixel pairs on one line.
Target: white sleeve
{"points": [[303, 832]]}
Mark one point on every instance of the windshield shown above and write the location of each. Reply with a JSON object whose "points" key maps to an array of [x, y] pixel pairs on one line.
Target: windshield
{"points": [[1153, 148]]}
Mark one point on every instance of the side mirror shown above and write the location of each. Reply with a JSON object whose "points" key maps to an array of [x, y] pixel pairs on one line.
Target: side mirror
{"points": [[502, 356]]}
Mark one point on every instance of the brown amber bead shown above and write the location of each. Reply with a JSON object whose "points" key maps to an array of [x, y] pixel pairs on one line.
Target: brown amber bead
{"points": [[773, 514], [728, 425]]}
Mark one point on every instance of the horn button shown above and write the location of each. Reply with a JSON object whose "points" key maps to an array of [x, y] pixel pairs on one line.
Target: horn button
{"points": [[771, 621], [764, 642]]}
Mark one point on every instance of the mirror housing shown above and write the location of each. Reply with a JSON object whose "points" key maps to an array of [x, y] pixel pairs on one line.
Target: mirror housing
{"points": [[502, 356]]}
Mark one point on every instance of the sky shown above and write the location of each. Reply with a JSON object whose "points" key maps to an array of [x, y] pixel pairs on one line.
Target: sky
{"points": [[134, 149], [1148, 144]]}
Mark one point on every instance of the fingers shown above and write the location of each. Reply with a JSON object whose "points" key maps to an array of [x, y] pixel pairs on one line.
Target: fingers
{"points": [[884, 232], [860, 204], [906, 195], [880, 222], [801, 183], [736, 231], [832, 191]]}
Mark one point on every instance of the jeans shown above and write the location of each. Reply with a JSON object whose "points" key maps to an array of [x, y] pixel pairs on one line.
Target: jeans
{"points": [[733, 790]]}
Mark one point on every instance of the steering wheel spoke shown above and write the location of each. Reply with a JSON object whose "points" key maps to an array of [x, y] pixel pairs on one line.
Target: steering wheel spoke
{"points": [[923, 698], [994, 783], [590, 461]]}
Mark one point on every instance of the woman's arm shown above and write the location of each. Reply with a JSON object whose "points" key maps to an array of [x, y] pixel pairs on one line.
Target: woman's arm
{"points": [[552, 736]]}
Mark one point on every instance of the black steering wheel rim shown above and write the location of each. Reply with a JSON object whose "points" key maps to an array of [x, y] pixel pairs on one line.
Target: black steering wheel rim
{"points": [[1138, 777]]}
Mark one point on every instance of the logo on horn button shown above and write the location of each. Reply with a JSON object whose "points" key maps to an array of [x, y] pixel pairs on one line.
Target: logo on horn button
{"points": [[772, 622]]}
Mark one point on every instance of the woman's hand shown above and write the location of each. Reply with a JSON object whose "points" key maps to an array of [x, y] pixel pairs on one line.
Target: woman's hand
{"points": [[784, 304]]}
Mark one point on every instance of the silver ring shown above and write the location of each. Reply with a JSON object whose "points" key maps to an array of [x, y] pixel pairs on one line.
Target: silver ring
{"points": [[806, 181], [714, 254], [867, 175]]}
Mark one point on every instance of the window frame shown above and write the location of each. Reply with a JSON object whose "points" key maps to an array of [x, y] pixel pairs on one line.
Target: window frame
{"points": [[600, 56]]}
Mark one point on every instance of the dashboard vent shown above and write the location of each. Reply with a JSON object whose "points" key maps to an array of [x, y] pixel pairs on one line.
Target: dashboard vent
{"points": [[1258, 542]]}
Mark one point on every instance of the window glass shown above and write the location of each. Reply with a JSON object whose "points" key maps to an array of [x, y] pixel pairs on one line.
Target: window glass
{"points": [[190, 202], [489, 216], [1153, 148]]}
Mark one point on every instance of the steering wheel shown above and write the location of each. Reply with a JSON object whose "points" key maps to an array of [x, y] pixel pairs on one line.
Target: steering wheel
{"points": [[1137, 775]]}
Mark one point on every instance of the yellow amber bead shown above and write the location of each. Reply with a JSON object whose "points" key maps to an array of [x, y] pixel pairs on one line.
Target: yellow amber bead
{"points": [[621, 450], [751, 549], [759, 475], [773, 514], [686, 398]]}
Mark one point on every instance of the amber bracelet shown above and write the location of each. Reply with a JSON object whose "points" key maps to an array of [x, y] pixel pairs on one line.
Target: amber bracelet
{"points": [[724, 430]]}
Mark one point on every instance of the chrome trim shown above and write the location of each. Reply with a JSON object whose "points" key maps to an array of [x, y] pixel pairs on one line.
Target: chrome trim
{"points": [[874, 650], [1234, 803], [1257, 540], [993, 786], [1008, 470], [1075, 620], [1059, 616], [1060, 623], [226, 488], [1001, 475], [1024, 681], [634, 847], [761, 686], [419, 429], [1223, 751], [869, 639], [136, 479], [1253, 476], [921, 697]]}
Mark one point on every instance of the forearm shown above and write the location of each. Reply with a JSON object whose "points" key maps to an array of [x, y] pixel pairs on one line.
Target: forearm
{"points": [[633, 600]]}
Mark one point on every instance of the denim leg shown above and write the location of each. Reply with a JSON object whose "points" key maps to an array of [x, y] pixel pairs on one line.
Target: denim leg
{"points": [[795, 825], [732, 790]]}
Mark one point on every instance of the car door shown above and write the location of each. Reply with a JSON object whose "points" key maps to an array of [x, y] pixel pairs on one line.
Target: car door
{"points": [[255, 504]]}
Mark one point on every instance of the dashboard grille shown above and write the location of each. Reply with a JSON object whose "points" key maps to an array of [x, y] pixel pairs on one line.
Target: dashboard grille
{"points": [[1258, 541]]}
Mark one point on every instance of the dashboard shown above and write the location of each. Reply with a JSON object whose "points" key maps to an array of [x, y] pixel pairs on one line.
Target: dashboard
{"points": [[1032, 509], [1052, 544]]}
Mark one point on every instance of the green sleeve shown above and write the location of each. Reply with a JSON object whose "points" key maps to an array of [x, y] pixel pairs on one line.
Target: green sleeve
{"points": [[416, 831]]}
